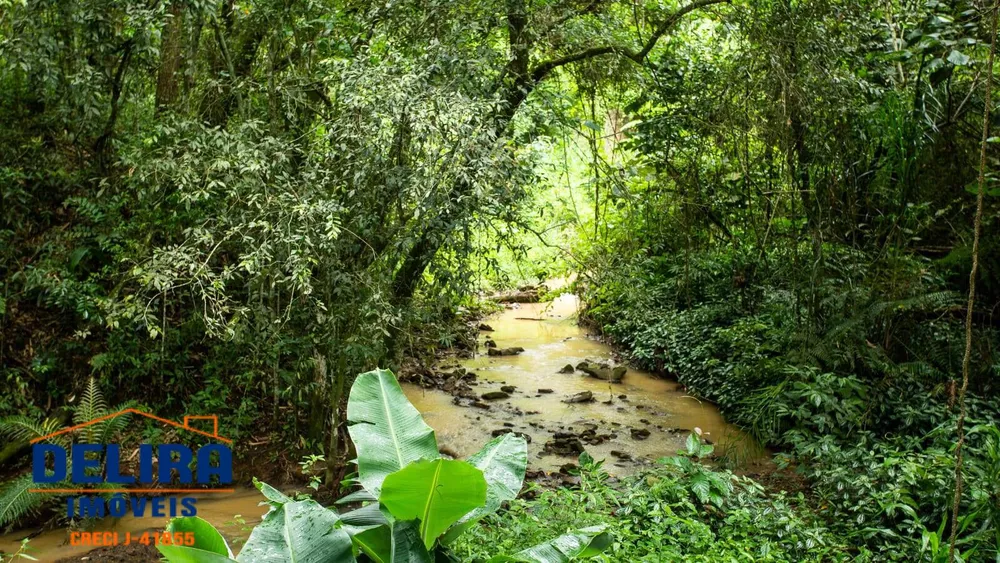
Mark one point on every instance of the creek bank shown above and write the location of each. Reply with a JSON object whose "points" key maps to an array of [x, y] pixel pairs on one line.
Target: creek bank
{"points": [[603, 407]]}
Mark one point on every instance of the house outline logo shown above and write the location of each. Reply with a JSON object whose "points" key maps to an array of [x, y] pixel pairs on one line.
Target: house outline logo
{"points": [[186, 425]]}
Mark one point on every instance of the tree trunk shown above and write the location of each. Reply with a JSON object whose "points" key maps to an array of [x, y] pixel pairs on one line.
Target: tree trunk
{"points": [[167, 77]]}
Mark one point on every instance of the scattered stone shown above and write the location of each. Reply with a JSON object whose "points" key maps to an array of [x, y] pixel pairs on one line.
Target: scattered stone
{"points": [[639, 433], [532, 474], [564, 444], [545, 391], [581, 397], [490, 343], [642, 420], [568, 368], [602, 371], [509, 424], [485, 327], [513, 351], [623, 397], [591, 437], [480, 405], [507, 388], [621, 455], [568, 468], [495, 395]]}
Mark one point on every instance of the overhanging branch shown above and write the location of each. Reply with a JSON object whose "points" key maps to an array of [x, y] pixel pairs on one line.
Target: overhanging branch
{"points": [[544, 68]]}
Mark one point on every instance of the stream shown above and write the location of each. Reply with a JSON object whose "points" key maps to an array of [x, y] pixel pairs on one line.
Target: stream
{"points": [[551, 339]]}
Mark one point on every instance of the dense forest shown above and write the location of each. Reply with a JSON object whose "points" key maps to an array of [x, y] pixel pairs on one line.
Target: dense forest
{"points": [[789, 207]]}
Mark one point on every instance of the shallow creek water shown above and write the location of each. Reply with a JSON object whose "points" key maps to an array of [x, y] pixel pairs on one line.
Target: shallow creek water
{"points": [[659, 405]]}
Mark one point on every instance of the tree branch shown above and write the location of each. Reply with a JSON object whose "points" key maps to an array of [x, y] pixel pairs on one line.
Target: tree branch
{"points": [[544, 68]]}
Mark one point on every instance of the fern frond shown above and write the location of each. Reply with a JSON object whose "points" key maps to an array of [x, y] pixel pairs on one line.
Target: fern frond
{"points": [[92, 405], [114, 426], [24, 429], [17, 500]]}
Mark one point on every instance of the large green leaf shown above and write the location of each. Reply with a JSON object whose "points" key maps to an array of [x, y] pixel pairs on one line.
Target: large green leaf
{"points": [[437, 492], [300, 532], [388, 432], [585, 542], [503, 461], [209, 545], [398, 542]]}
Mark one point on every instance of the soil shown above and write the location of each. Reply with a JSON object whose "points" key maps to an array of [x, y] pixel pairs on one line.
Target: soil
{"points": [[132, 553]]}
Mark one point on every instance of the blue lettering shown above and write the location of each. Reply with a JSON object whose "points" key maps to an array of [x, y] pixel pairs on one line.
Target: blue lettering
{"points": [[224, 470], [91, 507], [117, 506], [182, 464], [81, 463], [38, 460], [145, 463], [157, 507], [113, 466]]}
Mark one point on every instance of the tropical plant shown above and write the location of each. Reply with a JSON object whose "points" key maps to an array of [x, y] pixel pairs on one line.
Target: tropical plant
{"points": [[706, 485], [16, 499], [417, 501]]}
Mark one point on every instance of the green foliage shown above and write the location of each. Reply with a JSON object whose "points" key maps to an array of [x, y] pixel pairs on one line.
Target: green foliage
{"points": [[411, 508], [654, 516], [387, 430], [209, 545], [437, 493], [16, 501]]}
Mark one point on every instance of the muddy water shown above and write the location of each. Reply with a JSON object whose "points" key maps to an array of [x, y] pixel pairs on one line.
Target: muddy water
{"points": [[221, 510], [652, 403]]}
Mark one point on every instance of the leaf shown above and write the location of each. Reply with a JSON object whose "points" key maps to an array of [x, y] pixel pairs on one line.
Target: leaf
{"points": [[398, 542], [360, 495], [586, 542], [299, 531], [693, 445], [436, 492], [503, 461], [700, 486], [182, 554], [209, 545], [958, 59], [276, 497], [387, 430], [364, 518]]}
